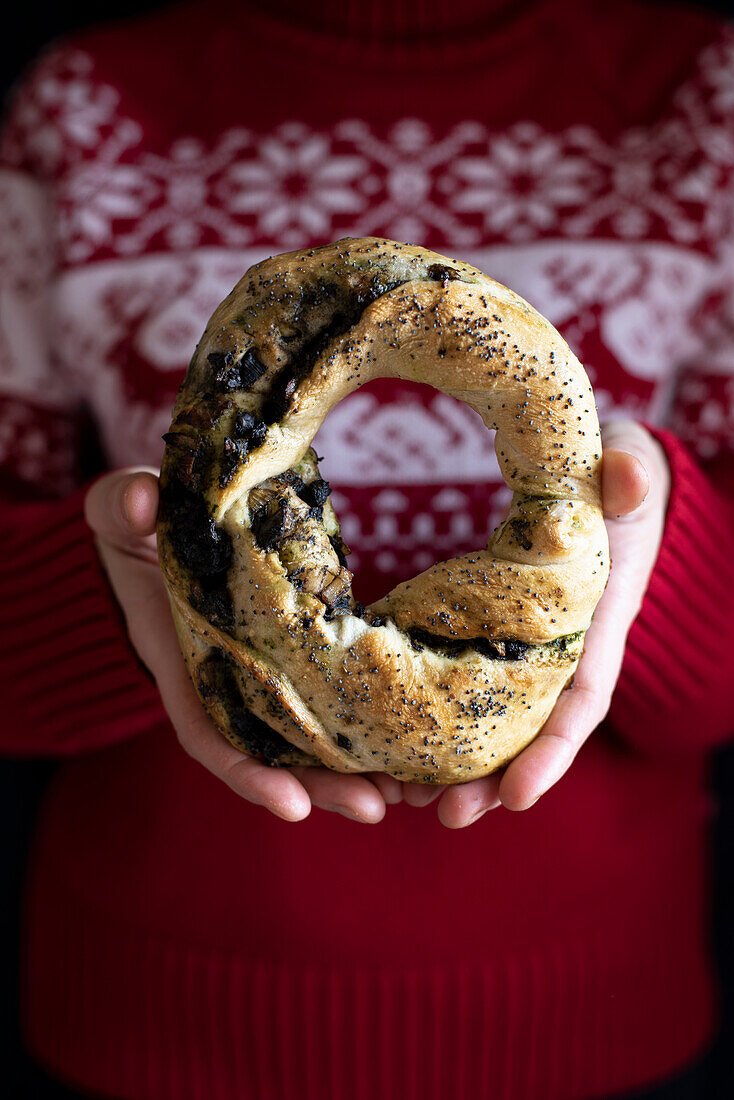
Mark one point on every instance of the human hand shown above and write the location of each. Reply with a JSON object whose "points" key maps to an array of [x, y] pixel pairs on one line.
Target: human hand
{"points": [[635, 488], [121, 509]]}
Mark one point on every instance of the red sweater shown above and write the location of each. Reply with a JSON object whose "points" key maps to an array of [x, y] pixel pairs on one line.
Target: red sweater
{"points": [[180, 943]]}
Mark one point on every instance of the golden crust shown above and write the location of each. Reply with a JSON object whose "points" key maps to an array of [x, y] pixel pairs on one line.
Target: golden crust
{"points": [[455, 671]]}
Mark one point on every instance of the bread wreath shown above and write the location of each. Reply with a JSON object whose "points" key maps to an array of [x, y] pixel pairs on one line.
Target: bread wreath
{"points": [[454, 672]]}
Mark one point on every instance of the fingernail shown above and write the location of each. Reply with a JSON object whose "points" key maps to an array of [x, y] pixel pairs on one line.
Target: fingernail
{"points": [[477, 815], [345, 811], [286, 814]]}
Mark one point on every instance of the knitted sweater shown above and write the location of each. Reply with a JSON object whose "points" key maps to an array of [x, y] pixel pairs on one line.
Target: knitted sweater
{"points": [[180, 943]]}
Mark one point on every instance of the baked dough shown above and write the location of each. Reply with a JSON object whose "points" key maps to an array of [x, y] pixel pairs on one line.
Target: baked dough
{"points": [[454, 672]]}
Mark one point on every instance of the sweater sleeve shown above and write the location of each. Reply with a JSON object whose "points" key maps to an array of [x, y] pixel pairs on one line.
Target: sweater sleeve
{"points": [[674, 691], [69, 679]]}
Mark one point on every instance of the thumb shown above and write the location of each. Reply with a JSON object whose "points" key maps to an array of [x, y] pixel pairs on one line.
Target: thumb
{"points": [[635, 477], [121, 508]]}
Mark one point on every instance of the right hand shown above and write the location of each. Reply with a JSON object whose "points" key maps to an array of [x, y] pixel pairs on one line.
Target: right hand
{"points": [[121, 509], [635, 488]]}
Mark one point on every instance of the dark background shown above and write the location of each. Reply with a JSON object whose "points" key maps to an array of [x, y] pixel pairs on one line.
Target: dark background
{"points": [[21, 783]]}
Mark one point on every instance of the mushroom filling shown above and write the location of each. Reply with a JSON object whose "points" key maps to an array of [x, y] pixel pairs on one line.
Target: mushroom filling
{"points": [[497, 649], [321, 312], [506, 649], [342, 307], [292, 516]]}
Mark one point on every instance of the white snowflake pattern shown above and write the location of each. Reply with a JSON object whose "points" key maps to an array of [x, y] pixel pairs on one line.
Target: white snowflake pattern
{"points": [[295, 186], [637, 172], [59, 113], [185, 201], [96, 192], [704, 415], [521, 182], [171, 195], [404, 169]]}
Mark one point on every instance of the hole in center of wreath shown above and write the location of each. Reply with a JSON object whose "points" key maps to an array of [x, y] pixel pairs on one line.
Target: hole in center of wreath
{"points": [[414, 481]]}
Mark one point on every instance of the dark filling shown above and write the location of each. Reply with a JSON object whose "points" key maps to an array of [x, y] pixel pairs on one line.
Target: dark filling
{"points": [[203, 548], [343, 742], [342, 605], [197, 541], [248, 433], [249, 427], [506, 649], [228, 375], [250, 369], [210, 597], [233, 451], [191, 459], [244, 422], [442, 274], [296, 482], [268, 528], [369, 617], [520, 529], [274, 521], [204, 415], [345, 317], [341, 549], [315, 493], [255, 435], [217, 676]]}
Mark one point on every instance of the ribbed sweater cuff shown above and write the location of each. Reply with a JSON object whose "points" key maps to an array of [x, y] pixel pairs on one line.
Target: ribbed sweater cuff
{"points": [[71, 681], [674, 689]]}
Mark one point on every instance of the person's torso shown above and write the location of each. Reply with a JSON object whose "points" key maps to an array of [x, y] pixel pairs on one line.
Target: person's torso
{"points": [[608, 219]]}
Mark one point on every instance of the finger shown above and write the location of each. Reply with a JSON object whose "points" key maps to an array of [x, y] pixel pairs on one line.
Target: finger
{"points": [[625, 482], [580, 708], [465, 804], [389, 787], [352, 796], [548, 757], [121, 510], [276, 790], [633, 544], [140, 503], [417, 794], [635, 440], [143, 597]]}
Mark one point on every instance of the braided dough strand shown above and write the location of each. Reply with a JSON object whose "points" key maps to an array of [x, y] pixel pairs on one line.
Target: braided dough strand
{"points": [[454, 672]]}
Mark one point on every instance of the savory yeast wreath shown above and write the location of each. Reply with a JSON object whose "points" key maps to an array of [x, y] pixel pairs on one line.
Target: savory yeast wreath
{"points": [[454, 672]]}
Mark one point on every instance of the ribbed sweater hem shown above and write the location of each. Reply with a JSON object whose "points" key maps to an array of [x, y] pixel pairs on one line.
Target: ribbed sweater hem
{"points": [[205, 1024]]}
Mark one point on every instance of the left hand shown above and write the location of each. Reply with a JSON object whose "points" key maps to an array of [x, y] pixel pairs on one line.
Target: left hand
{"points": [[635, 488], [121, 509]]}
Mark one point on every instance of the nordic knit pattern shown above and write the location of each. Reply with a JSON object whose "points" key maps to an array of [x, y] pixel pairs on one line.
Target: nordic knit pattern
{"points": [[183, 945]]}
